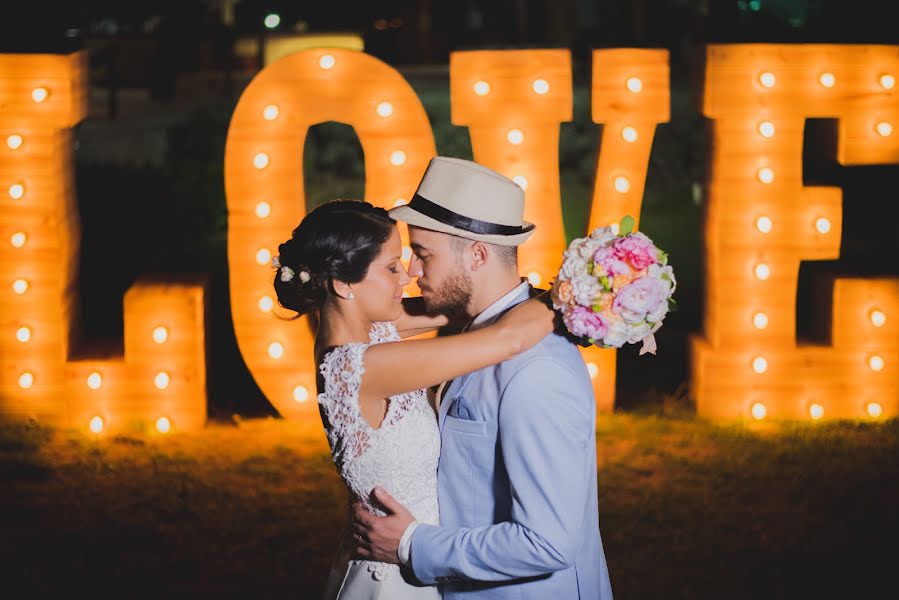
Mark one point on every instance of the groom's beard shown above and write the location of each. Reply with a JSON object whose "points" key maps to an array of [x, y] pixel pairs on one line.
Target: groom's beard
{"points": [[452, 298]]}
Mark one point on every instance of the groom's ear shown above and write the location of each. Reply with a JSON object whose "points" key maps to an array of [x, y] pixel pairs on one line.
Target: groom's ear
{"points": [[480, 252]]}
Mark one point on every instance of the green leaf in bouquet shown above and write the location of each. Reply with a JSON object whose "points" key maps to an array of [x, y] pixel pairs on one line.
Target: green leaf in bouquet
{"points": [[627, 225], [604, 281], [590, 268], [662, 257]]}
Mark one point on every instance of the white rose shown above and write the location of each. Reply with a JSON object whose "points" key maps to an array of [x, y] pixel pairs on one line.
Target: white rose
{"points": [[585, 289], [617, 334], [574, 266], [638, 332]]}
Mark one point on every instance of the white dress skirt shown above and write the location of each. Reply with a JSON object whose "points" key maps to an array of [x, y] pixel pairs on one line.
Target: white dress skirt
{"points": [[401, 456]]}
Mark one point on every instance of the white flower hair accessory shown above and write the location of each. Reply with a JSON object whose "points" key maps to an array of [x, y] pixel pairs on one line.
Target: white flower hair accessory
{"points": [[287, 274]]}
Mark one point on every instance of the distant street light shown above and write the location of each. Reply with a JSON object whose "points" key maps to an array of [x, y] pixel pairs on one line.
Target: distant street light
{"points": [[272, 20]]}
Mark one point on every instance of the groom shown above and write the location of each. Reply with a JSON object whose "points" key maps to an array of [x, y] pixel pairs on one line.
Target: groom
{"points": [[517, 471]]}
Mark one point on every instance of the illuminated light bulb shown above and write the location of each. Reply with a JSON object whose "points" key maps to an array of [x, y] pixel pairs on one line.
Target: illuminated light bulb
{"points": [[20, 286], [767, 79], [521, 181], [822, 225], [758, 411], [163, 425], [26, 380], [534, 278], [592, 369], [272, 20], [23, 334], [634, 84], [263, 256], [275, 350], [876, 363], [398, 158], [764, 224], [270, 112], [260, 161], [629, 134], [300, 393], [160, 334], [263, 209], [18, 239], [766, 129], [515, 136], [878, 318], [759, 364], [481, 88], [96, 425], [762, 271], [405, 294], [816, 411], [94, 381], [760, 320], [766, 175], [16, 191], [884, 129], [541, 86], [327, 61], [622, 185], [887, 81], [384, 109], [874, 409], [407, 253], [40, 94], [161, 380], [14, 141], [266, 304], [827, 80], [399, 202], [615, 227]]}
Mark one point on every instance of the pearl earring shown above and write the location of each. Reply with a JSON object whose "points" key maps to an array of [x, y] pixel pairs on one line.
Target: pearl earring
{"points": [[350, 296]]}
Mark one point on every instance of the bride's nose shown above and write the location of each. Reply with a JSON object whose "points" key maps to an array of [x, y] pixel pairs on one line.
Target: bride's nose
{"points": [[404, 276]]}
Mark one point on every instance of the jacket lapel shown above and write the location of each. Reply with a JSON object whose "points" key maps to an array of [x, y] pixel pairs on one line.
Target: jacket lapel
{"points": [[454, 388]]}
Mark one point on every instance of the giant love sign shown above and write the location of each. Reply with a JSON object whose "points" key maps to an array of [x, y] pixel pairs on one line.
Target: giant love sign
{"points": [[761, 221]]}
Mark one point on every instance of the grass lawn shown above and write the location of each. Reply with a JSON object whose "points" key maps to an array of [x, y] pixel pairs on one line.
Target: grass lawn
{"points": [[688, 509]]}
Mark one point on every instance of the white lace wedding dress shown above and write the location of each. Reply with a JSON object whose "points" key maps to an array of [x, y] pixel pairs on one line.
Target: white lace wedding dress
{"points": [[400, 456]]}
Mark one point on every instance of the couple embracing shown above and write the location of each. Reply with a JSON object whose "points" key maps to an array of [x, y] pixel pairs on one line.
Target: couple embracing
{"points": [[495, 495]]}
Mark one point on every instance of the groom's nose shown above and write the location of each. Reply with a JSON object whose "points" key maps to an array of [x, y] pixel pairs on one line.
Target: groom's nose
{"points": [[415, 269]]}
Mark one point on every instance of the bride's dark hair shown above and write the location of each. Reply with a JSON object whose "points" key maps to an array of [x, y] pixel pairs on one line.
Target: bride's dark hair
{"points": [[336, 240]]}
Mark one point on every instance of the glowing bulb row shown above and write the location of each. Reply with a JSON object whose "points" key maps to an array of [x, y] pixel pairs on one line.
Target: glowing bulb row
{"points": [[765, 224], [96, 424], [827, 79], [94, 380], [815, 410], [540, 86], [760, 363]]}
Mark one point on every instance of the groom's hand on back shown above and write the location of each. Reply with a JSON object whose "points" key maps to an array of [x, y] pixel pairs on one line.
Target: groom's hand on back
{"points": [[377, 538]]}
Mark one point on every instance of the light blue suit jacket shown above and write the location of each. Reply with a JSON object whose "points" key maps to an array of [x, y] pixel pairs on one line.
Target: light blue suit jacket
{"points": [[517, 483]]}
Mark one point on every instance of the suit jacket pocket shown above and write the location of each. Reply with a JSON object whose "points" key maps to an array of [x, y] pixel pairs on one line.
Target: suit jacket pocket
{"points": [[465, 426]]}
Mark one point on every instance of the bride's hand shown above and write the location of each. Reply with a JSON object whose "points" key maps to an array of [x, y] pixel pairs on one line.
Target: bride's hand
{"points": [[531, 320]]}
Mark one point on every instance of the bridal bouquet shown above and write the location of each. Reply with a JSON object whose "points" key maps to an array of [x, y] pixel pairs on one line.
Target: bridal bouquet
{"points": [[613, 288]]}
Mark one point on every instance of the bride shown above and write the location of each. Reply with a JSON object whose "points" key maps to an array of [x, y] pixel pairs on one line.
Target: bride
{"points": [[343, 263]]}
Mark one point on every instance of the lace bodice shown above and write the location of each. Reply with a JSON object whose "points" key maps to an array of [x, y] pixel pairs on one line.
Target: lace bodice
{"points": [[400, 455]]}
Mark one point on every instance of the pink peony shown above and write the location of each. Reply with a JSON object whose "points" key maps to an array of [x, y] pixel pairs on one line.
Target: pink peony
{"points": [[585, 323], [607, 264], [642, 297], [635, 249]]}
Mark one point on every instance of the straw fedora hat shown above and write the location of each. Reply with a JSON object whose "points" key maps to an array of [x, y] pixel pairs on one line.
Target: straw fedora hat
{"points": [[463, 198]]}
